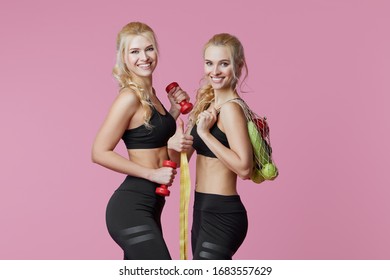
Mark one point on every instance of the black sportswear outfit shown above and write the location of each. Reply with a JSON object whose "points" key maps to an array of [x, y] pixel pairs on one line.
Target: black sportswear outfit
{"points": [[134, 210], [220, 222]]}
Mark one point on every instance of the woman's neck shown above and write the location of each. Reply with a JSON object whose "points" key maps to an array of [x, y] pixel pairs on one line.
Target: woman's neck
{"points": [[146, 83]]}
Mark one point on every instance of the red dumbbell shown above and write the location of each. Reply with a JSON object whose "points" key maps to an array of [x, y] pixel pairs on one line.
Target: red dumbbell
{"points": [[163, 189], [186, 106]]}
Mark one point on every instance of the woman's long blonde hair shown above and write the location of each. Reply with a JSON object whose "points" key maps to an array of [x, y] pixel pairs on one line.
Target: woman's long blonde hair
{"points": [[205, 94], [122, 73]]}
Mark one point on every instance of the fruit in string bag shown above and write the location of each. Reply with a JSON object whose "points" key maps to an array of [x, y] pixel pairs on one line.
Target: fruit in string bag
{"points": [[264, 169]]}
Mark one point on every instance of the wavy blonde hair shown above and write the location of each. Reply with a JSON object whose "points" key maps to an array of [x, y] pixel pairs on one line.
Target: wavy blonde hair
{"points": [[205, 94], [122, 73]]}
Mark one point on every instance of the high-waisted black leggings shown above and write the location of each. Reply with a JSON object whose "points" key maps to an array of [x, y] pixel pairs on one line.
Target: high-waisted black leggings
{"points": [[220, 224], [133, 218]]}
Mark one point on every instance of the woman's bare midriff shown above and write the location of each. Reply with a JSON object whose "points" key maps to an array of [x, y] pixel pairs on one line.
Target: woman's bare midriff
{"points": [[213, 177], [150, 158]]}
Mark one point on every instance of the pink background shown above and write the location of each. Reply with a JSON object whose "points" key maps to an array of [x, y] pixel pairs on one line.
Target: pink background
{"points": [[319, 70]]}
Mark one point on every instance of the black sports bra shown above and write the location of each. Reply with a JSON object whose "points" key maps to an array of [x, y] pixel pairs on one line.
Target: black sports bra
{"points": [[201, 148], [163, 127]]}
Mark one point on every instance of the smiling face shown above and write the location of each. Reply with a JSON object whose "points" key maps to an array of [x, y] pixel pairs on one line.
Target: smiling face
{"points": [[141, 56], [218, 67]]}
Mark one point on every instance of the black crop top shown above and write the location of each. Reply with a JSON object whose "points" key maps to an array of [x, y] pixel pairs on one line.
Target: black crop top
{"points": [[163, 127], [201, 148]]}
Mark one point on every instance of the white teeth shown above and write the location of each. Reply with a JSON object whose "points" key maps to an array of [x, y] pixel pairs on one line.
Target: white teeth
{"points": [[144, 65], [217, 80]]}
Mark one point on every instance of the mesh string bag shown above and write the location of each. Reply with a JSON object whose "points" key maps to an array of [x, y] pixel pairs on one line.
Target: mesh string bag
{"points": [[264, 167]]}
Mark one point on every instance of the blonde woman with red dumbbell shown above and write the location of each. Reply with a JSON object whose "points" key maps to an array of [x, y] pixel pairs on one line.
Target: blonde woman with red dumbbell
{"points": [[138, 118]]}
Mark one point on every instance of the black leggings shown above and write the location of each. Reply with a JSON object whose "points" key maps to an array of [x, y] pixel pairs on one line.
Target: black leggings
{"points": [[220, 224], [133, 218]]}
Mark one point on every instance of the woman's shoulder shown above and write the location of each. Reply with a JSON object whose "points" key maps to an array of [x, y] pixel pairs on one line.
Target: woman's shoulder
{"points": [[128, 97], [238, 108], [235, 111], [233, 106], [126, 102]]}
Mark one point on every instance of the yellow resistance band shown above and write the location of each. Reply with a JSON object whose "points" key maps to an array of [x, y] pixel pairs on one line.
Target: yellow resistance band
{"points": [[185, 186]]}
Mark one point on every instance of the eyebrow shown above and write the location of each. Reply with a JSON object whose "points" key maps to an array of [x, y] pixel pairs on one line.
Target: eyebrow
{"points": [[151, 45], [223, 60]]}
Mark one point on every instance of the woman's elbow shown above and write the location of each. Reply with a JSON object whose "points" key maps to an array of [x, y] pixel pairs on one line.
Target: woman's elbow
{"points": [[95, 156], [245, 173]]}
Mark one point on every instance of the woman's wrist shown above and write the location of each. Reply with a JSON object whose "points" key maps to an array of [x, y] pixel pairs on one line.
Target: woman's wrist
{"points": [[175, 112], [170, 144], [147, 174], [203, 133]]}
